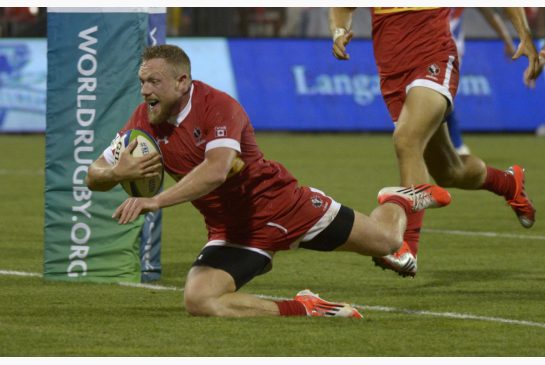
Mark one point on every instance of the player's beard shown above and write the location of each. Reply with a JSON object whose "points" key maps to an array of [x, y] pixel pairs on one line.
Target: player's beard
{"points": [[159, 116]]}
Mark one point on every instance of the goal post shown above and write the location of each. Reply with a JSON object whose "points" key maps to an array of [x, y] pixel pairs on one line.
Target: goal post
{"points": [[92, 88]]}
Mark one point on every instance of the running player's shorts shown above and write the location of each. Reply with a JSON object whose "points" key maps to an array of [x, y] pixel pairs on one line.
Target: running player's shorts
{"points": [[441, 75]]}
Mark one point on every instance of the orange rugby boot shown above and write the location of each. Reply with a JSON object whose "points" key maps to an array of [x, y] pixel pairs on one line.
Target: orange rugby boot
{"points": [[520, 203], [317, 307], [421, 196]]}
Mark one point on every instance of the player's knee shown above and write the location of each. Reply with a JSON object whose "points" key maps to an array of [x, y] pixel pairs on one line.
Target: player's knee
{"points": [[448, 177], [197, 304], [405, 144], [444, 179]]}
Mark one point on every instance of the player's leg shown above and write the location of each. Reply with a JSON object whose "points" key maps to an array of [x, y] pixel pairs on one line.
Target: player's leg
{"points": [[456, 134], [379, 234], [382, 232], [421, 115], [450, 169], [470, 172], [212, 283]]}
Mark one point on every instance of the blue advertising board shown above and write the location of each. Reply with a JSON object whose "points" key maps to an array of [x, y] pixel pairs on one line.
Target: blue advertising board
{"points": [[297, 85]]}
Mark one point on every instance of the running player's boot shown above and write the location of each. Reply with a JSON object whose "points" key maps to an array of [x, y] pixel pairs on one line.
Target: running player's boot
{"points": [[520, 203], [421, 196], [317, 307], [402, 262]]}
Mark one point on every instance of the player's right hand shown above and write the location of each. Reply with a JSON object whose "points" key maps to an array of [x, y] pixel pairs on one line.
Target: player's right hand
{"points": [[527, 48], [541, 59], [339, 46], [132, 168]]}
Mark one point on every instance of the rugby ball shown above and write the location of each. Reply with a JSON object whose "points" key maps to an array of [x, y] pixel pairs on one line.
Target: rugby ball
{"points": [[146, 187]]}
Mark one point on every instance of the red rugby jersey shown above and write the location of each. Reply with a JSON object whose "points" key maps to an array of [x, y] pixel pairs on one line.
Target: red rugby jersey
{"points": [[405, 38], [250, 197]]}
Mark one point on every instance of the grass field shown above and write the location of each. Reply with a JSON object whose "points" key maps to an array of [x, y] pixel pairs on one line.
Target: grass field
{"points": [[480, 289]]}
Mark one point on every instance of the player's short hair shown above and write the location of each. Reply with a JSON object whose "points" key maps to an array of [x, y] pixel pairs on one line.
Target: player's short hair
{"points": [[173, 55]]}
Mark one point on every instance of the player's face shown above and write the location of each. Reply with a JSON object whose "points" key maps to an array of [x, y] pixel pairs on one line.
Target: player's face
{"points": [[161, 90]]}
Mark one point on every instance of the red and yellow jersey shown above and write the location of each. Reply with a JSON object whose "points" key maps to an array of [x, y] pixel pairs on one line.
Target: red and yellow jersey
{"points": [[404, 38]]}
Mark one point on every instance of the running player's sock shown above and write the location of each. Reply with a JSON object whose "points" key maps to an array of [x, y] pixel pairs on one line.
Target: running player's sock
{"points": [[499, 182], [291, 308], [412, 232]]}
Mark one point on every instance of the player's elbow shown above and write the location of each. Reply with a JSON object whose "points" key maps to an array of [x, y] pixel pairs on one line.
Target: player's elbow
{"points": [[217, 177]]}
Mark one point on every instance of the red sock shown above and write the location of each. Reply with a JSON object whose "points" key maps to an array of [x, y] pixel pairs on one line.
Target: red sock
{"points": [[291, 308], [414, 221], [412, 232], [499, 182], [402, 202]]}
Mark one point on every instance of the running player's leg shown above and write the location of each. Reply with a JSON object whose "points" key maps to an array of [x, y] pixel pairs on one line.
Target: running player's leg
{"points": [[456, 134], [470, 172], [450, 169], [422, 113]]}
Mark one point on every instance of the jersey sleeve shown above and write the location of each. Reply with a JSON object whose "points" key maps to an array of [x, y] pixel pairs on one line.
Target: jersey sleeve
{"points": [[225, 121], [108, 153]]}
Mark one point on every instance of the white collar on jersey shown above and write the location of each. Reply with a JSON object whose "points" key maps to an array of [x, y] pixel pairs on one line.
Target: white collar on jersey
{"points": [[184, 113]]}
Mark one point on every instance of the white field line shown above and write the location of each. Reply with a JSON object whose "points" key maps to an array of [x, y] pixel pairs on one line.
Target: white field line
{"points": [[484, 234], [450, 315]]}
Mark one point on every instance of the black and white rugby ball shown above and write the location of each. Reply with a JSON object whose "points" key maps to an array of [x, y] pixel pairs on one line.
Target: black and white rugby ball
{"points": [[146, 187]]}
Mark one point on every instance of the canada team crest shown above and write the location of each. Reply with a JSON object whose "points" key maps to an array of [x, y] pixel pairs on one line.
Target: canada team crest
{"points": [[433, 70], [316, 201]]}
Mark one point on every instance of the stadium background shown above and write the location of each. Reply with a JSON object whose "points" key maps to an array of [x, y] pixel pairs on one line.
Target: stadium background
{"points": [[277, 63]]}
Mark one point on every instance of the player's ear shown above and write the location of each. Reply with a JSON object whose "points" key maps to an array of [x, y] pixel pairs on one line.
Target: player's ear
{"points": [[183, 82]]}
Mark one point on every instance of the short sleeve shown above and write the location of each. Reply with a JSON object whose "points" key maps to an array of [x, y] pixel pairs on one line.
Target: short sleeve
{"points": [[225, 120]]}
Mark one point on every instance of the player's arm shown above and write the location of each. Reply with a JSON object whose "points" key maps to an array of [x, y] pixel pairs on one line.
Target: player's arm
{"points": [[203, 179], [103, 176], [526, 46], [496, 22], [340, 21]]}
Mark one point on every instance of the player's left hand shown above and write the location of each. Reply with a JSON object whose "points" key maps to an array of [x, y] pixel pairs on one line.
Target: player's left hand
{"points": [[131, 208], [527, 48]]}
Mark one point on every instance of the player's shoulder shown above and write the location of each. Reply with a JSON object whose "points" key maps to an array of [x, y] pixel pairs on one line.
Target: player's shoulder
{"points": [[210, 99], [210, 95]]}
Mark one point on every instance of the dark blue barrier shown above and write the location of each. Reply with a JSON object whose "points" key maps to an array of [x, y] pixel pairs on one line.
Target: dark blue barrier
{"points": [[299, 85]]}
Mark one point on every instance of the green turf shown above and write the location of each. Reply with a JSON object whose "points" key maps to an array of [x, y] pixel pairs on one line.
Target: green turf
{"points": [[474, 275]]}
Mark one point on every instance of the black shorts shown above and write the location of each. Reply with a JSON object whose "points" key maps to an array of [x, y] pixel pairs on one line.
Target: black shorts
{"points": [[335, 234], [242, 264]]}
